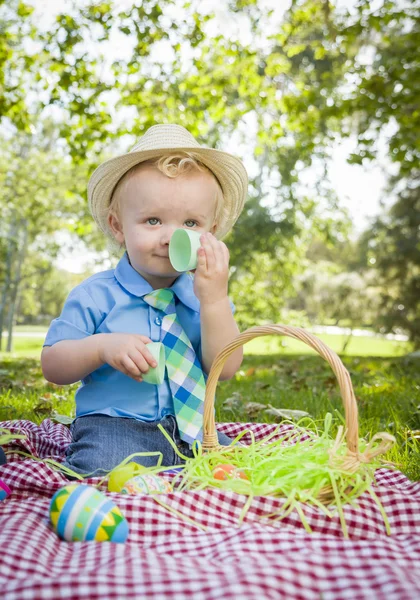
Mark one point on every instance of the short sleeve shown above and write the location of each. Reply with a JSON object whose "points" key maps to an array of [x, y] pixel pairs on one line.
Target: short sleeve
{"points": [[79, 318]]}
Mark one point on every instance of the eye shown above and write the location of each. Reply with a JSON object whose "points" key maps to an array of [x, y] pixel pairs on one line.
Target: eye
{"points": [[153, 221], [190, 223]]}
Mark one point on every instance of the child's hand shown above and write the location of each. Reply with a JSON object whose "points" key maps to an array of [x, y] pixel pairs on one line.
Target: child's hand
{"points": [[212, 273], [128, 353]]}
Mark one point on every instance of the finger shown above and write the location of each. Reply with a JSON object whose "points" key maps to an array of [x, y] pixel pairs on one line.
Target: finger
{"points": [[219, 253], [220, 264], [201, 260], [148, 356], [139, 360], [128, 367], [142, 338], [209, 250], [226, 252]]}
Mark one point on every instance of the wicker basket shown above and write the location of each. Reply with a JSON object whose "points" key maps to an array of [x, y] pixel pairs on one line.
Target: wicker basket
{"points": [[353, 457]]}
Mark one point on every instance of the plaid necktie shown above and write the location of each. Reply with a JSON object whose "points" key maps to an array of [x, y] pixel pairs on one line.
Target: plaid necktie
{"points": [[185, 374]]}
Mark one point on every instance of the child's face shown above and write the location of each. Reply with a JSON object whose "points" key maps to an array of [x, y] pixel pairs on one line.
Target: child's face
{"points": [[152, 207]]}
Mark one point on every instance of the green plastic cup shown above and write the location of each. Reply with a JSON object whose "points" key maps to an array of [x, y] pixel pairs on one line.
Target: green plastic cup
{"points": [[156, 375], [183, 247]]}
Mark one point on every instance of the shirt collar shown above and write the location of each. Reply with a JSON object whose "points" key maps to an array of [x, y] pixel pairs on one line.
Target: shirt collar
{"points": [[136, 285]]}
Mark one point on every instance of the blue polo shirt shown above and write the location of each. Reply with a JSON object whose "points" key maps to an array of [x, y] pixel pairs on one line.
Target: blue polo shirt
{"points": [[112, 302]]}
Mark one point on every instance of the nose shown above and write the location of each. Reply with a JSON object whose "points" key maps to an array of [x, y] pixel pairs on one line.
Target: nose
{"points": [[167, 234]]}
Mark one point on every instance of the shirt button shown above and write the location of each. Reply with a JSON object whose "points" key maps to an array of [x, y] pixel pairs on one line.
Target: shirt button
{"points": [[158, 321]]}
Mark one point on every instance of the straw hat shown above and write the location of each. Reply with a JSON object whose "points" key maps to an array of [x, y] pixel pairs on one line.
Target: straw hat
{"points": [[163, 140]]}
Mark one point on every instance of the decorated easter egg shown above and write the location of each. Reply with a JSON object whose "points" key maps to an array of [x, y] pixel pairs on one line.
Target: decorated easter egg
{"points": [[4, 490], [225, 471], [148, 483], [120, 475], [80, 512]]}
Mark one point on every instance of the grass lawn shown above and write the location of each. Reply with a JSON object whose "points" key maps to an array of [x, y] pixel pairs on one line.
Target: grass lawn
{"points": [[358, 346], [31, 328], [276, 371]]}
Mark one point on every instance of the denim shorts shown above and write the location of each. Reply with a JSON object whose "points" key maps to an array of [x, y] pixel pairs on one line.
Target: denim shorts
{"points": [[100, 443]]}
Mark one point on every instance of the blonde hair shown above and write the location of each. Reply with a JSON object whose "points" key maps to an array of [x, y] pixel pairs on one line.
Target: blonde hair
{"points": [[172, 165]]}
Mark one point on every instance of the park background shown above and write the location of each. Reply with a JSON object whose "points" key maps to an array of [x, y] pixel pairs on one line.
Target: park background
{"points": [[321, 101]]}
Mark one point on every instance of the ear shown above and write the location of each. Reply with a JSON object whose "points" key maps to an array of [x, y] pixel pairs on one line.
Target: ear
{"points": [[116, 227], [213, 228]]}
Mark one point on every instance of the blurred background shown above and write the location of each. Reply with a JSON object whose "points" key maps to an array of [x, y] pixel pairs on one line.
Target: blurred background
{"points": [[320, 99]]}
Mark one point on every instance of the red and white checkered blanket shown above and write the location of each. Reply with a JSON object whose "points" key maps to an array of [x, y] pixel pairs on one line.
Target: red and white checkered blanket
{"points": [[168, 557]]}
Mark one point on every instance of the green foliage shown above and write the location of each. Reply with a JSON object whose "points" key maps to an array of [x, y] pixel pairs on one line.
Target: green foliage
{"points": [[35, 203], [325, 293], [392, 245], [286, 95], [15, 27], [386, 98], [42, 298], [388, 88], [261, 289]]}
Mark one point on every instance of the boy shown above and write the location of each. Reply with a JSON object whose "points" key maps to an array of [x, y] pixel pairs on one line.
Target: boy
{"points": [[167, 181]]}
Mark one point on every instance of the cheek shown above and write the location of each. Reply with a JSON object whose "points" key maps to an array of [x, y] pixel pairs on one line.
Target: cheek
{"points": [[144, 240]]}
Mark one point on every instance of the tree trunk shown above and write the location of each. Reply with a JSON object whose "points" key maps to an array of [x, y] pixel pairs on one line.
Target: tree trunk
{"points": [[347, 341], [16, 283], [11, 251]]}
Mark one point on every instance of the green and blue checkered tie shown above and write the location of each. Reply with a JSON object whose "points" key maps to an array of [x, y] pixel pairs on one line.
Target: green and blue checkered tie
{"points": [[185, 374]]}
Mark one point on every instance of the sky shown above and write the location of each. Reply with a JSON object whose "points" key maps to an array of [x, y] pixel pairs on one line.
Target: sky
{"points": [[358, 188]]}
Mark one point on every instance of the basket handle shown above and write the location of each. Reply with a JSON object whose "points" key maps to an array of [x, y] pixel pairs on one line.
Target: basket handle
{"points": [[210, 440]]}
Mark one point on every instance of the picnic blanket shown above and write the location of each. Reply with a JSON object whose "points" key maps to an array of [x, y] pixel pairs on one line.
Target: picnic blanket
{"points": [[167, 556]]}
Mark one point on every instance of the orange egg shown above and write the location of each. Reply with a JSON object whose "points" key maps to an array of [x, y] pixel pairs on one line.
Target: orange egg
{"points": [[224, 471], [220, 472]]}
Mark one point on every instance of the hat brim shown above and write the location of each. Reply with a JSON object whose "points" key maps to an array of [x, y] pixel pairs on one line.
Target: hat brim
{"points": [[229, 171]]}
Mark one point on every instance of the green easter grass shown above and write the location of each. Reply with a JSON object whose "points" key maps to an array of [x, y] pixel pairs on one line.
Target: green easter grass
{"points": [[311, 471]]}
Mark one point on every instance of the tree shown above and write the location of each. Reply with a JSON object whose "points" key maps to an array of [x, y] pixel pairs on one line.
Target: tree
{"points": [[387, 96], [42, 298], [15, 27], [347, 299], [392, 250], [35, 203], [213, 92], [286, 96]]}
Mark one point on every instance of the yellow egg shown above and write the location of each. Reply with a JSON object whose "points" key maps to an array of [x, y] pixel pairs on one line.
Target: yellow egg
{"points": [[120, 475]]}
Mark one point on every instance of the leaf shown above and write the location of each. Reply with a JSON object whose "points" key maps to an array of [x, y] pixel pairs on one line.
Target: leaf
{"points": [[63, 419], [233, 401], [44, 407], [296, 49], [285, 413], [252, 409]]}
